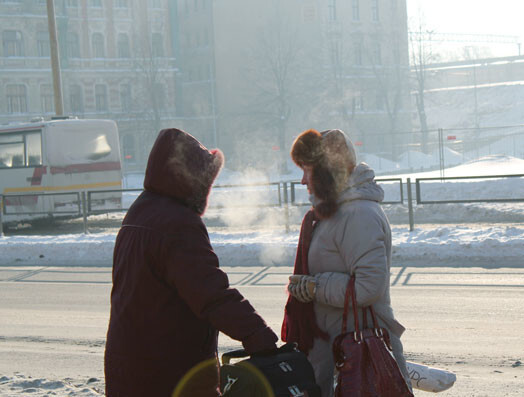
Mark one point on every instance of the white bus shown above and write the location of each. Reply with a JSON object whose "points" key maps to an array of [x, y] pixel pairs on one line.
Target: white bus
{"points": [[44, 166]]}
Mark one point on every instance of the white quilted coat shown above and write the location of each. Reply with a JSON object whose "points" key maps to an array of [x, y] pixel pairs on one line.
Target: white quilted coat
{"points": [[355, 240]]}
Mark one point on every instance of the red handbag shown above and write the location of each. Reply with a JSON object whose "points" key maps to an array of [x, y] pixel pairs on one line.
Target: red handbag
{"points": [[363, 358]]}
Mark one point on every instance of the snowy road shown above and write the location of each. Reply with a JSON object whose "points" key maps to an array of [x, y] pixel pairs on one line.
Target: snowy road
{"points": [[467, 320]]}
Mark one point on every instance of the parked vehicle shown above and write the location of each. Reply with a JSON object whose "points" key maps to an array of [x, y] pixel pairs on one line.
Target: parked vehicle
{"points": [[42, 163]]}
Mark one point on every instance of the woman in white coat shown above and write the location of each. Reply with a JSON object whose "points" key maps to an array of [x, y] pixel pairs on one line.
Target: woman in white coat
{"points": [[350, 235]]}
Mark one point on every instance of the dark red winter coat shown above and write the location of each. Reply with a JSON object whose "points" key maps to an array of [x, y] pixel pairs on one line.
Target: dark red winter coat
{"points": [[169, 297]]}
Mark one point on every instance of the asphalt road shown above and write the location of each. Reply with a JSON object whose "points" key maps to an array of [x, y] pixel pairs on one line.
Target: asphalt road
{"points": [[470, 321]]}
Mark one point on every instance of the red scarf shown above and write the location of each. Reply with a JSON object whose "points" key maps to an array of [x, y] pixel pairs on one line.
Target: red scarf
{"points": [[300, 324]]}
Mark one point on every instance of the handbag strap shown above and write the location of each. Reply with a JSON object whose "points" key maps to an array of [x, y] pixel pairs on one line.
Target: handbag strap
{"points": [[375, 322], [350, 292], [373, 317]]}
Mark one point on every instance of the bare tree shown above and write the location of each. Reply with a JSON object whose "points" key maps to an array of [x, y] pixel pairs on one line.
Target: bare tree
{"points": [[334, 105], [278, 70], [392, 79], [151, 83], [421, 55]]}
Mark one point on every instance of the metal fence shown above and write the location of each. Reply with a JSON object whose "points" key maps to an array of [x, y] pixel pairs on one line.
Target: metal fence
{"points": [[398, 191], [465, 190], [253, 195], [438, 195], [281, 195], [31, 200]]}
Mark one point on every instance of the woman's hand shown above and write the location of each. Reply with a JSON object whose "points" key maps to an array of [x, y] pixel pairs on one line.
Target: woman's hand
{"points": [[302, 287]]}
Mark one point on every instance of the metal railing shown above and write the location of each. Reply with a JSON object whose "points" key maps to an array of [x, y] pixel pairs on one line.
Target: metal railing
{"points": [[91, 197], [293, 201], [247, 189], [420, 182], [76, 206], [82, 203], [1, 211], [22, 200]]}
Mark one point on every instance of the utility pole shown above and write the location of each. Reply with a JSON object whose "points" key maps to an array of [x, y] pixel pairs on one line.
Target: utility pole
{"points": [[477, 123], [213, 104], [55, 59], [477, 119], [441, 152]]}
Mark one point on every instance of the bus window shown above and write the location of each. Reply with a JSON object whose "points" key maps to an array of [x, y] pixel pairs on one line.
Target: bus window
{"points": [[18, 160], [33, 143], [81, 142], [76, 148], [11, 151]]}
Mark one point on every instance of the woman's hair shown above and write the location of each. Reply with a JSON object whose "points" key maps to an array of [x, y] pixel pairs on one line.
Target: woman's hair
{"points": [[332, 157]]}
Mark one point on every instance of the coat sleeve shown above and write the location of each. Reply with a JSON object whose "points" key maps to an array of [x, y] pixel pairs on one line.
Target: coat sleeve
{"points": [[361, 244], [191, 267]]}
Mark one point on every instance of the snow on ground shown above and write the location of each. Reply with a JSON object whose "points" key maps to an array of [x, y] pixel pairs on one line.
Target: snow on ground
{"points": [[458, 244], [273, 246], [497, 105], [20, 385], [487, 165]]}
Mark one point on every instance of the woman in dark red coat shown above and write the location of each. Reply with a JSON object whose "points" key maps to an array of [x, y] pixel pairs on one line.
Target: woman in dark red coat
{"points": [[169, 297]]}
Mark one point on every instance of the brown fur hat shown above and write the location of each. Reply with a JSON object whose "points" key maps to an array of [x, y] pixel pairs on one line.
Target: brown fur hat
{"points": [[333, 158]]}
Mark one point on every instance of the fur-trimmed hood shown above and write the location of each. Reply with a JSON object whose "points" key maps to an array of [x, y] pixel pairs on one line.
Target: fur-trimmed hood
{"points": [[333, 158], [362, 186], [179, 166]]}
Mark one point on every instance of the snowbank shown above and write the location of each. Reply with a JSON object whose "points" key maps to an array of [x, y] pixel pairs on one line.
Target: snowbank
{"points": [[458, 244]]}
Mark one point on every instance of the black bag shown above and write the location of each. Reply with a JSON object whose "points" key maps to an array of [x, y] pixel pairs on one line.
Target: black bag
{"points": [[287, 372]]}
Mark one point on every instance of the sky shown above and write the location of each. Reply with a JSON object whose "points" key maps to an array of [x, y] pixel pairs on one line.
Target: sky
{"points": [[500, 17]]}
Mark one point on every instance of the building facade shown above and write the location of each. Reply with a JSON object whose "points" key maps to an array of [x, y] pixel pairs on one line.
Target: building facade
{"points": [[116, 59], [243, 75], [254, 73]]}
